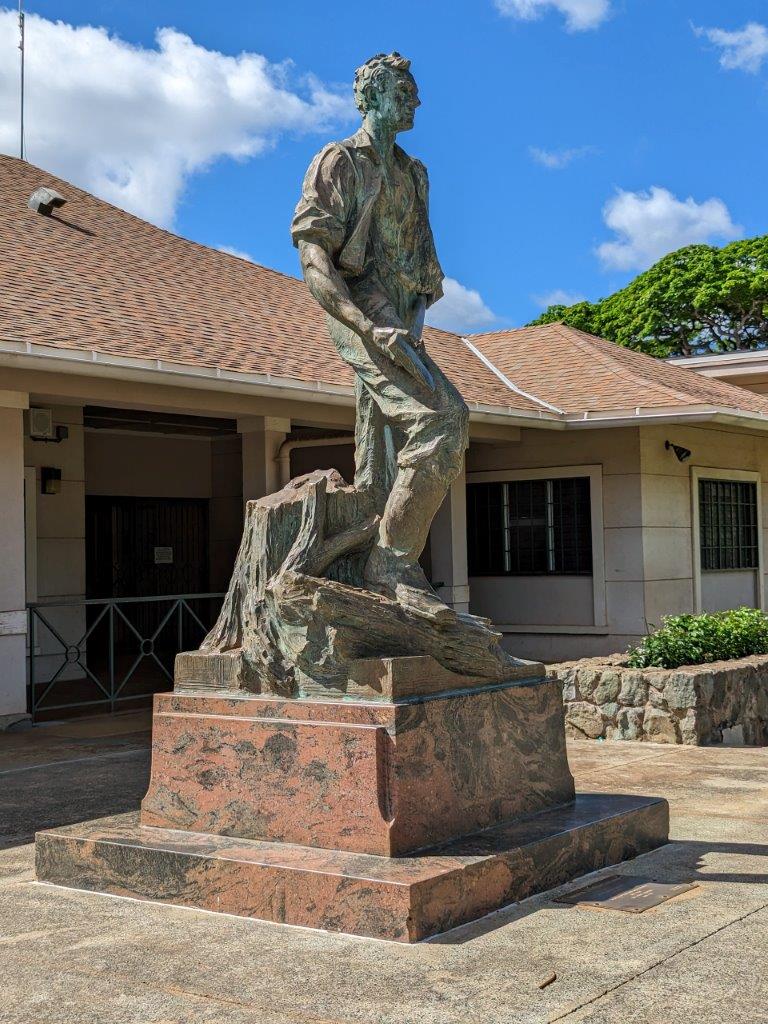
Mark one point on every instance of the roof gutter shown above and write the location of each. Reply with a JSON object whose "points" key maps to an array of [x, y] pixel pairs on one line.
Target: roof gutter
{"points": [[672, 414], [92, 363]]}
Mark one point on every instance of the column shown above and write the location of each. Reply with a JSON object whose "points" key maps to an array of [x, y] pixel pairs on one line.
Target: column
{"points": [[262, 437], [448, 547], [13, 616]]}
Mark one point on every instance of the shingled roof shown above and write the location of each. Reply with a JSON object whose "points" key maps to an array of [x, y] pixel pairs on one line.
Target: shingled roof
{"points": [[97, 278], [579, 373]]}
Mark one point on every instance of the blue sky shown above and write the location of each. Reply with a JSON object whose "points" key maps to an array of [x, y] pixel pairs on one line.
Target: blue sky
{"points": [[564, 138]]}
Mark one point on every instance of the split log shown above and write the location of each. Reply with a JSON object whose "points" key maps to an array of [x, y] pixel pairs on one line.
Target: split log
{"points": [[297, 610]]}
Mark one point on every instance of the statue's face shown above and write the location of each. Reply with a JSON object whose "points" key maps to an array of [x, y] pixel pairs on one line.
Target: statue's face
{"points": [[396, 100]]}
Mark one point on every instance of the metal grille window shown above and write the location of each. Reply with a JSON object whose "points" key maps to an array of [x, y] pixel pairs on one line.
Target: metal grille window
{"points": [[728, 525], [530, 528]]}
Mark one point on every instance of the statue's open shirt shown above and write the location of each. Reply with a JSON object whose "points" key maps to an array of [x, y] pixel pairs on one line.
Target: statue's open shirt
{"points": [[370, 224]]}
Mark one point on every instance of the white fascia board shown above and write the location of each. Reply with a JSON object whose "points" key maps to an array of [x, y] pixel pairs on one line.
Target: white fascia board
{"points": [[726, 364], [91, 363], [28, 356], [649, 417], [721, 359]]}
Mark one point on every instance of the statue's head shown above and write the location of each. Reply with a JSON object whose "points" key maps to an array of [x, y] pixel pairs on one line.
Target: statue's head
{"points": [[385, 89]]}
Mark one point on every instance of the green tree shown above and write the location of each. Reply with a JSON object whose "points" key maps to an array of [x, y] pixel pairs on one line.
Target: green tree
{"points": [[696, 300]]}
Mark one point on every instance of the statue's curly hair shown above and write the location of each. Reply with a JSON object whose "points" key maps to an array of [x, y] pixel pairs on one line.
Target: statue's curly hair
{"points": [[366, 73]]}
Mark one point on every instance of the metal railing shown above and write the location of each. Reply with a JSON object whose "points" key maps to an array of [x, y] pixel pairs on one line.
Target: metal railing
{"points": [[115, 639]]}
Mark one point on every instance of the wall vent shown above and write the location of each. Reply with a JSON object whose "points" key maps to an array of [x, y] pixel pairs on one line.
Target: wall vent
{"points": [[41, 425], [45, 201]]}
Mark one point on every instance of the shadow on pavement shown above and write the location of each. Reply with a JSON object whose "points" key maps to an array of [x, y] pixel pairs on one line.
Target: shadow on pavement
{"points": [[676, 861], [86, 780]]}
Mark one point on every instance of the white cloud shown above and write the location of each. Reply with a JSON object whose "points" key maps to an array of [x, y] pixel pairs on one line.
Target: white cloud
{"points": [[131, 123], [648, 225], [558, 159], [230, 251], [580, 15], [745, 49], [461, 309], [558, 297]]}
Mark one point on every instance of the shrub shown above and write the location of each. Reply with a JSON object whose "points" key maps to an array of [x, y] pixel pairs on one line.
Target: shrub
{"points": [[697, 639]]}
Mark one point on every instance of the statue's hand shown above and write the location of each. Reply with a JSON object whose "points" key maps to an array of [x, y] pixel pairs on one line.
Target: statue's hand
{"points": [[398, 345]]}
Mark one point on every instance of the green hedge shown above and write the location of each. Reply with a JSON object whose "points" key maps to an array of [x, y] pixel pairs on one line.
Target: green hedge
{"points": [[697, 639]]}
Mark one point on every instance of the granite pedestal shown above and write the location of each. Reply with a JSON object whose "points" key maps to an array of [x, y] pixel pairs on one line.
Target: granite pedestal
{"points": [[416, 802]]}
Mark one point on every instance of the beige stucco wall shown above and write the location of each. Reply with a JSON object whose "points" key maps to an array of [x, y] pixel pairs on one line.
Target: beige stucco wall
{"points": [[164, 466], [649, 544], [226, 509], [339, 456], [646, 504], [117, 464], [147, 465], [565, 604], [60, 517], [60, 552], [669, 546], [12, 598]]}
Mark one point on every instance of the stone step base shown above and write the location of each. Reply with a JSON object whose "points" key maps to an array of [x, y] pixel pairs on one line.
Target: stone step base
{"points": [[404, 898]]}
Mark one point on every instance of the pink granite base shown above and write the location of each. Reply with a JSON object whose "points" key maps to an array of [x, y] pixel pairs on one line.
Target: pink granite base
{"points": [[376, 777], [397, 811], [404, 899]]}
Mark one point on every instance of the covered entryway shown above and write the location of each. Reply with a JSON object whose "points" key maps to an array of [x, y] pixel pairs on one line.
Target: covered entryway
{"points": [[145, 546], [145, 525], [148, 548]]}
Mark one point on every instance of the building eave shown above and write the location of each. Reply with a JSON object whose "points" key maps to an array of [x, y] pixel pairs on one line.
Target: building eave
{"points": [[725, 364], [592, 420], [29, 355]]}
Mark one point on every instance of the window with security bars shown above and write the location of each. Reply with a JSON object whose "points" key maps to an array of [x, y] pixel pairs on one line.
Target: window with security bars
{"points": [[530, 528], [728, 524]]}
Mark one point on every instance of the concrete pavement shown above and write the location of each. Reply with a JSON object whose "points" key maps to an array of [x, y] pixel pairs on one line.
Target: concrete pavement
{"points": [[69, 957]]}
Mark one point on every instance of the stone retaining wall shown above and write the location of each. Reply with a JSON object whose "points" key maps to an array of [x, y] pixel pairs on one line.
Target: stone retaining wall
{"points": [[604, 699]]}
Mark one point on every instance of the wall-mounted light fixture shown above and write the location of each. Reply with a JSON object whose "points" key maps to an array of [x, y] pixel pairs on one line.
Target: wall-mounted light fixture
{"points": [[681, 454], [50, 480]]}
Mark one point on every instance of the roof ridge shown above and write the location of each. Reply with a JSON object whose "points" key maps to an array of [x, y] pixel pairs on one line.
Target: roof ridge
{"points": [[701, 382], [586, 342], [487, 361]]}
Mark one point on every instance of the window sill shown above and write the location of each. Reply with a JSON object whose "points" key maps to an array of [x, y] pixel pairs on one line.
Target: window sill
{"points": [[506, 627]]}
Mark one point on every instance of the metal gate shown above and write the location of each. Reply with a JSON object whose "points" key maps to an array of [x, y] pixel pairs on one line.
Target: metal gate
{"points": [[147, 599], [99, 653]]}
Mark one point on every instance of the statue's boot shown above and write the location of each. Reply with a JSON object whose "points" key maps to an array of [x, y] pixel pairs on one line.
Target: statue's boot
{"points": [[403, 581]]}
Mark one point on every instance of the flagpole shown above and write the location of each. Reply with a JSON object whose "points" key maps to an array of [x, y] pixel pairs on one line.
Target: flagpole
{"points": [[21, 97]]}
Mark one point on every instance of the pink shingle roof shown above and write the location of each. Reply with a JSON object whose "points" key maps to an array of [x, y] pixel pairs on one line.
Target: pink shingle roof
{"points": [[95, 277], [578, 373]]}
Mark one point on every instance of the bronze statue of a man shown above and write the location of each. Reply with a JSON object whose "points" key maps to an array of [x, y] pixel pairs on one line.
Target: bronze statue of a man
{"points": [[368, 257]]}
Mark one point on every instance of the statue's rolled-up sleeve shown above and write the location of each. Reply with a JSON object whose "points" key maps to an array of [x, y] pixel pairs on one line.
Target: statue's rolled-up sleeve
{"points": [[432, 272], [327, 193]]}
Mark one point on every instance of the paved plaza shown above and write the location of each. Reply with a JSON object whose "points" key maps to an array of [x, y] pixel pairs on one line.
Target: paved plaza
{"points": [[68, 956]]}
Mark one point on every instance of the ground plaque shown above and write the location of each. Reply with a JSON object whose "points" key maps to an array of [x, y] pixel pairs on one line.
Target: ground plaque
{"points": [[625, 892]]}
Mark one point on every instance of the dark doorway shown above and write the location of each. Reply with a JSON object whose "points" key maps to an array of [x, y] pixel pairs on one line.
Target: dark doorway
{"points": [[145, 548]]}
